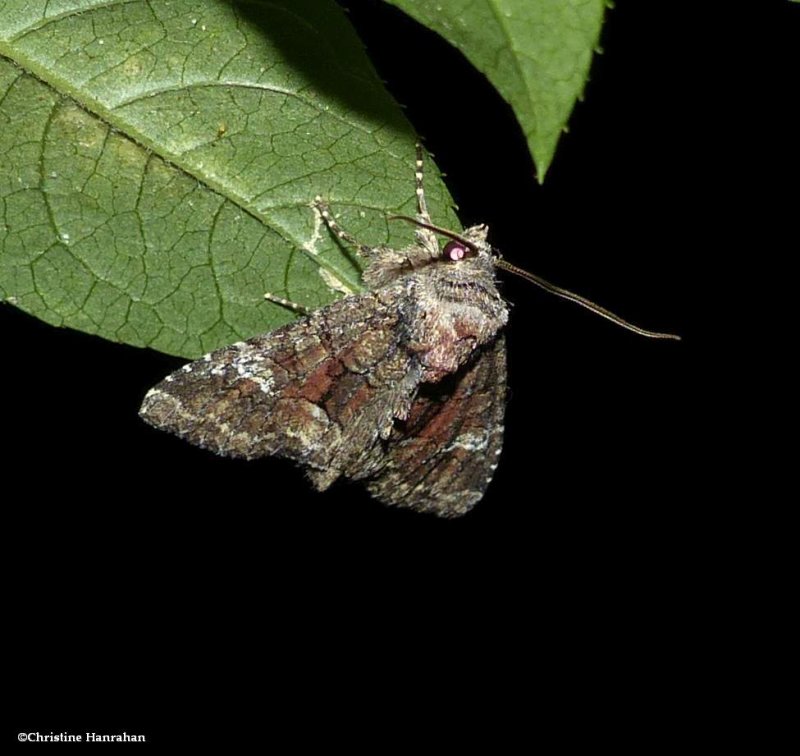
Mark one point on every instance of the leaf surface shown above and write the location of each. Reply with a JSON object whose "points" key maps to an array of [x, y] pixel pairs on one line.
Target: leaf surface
{"points": [[158, 160], [536, 53]]}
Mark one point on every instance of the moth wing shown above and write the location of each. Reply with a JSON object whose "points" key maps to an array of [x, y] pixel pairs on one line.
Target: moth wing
{"points": [[322, 391], [442, 458]]}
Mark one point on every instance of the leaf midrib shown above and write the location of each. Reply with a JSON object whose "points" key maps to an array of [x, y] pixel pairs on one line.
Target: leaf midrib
{"points": [[504, 29]]}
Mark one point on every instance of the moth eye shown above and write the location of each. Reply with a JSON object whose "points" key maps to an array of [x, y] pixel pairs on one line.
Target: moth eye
{"points": [[455, 251]]}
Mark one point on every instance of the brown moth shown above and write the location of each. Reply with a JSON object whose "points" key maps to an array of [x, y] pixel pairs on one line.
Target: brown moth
{"points": [[403, 386]]}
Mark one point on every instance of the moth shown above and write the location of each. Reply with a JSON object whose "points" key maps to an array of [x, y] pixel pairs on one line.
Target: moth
{"points": [[402, 387]]}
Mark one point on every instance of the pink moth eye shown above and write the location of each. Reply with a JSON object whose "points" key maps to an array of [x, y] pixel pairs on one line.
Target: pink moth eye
{"points": [[455, 250]]}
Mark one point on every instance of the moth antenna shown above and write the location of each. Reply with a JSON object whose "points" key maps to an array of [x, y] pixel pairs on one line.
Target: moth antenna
{"points": [[438, 229], [542, 284], [582, 301]]}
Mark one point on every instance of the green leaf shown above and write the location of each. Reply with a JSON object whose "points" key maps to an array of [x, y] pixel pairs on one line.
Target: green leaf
{"points": [[536, 53], [158, 160]]}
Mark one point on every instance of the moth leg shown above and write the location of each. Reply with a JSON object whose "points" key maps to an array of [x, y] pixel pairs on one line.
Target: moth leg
{"points": [[324, 210], [301, 309], [425, 237]]}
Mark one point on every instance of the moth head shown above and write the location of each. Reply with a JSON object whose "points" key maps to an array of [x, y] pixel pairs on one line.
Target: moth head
{"points": [[469, 243]]}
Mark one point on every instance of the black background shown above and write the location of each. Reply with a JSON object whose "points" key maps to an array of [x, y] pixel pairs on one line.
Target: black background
{"points": [[151, 573]]}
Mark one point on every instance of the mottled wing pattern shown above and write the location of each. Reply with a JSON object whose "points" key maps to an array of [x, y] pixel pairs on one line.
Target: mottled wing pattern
{"points": [[323, 390], [442, 458]]}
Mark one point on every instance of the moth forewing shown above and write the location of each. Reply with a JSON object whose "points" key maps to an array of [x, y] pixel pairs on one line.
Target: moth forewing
{"points": [[402, 386]]}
